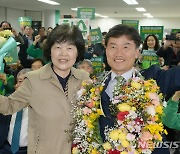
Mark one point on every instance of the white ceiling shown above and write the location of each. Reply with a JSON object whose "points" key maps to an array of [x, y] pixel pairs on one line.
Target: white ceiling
{"points": [[110, 8]]}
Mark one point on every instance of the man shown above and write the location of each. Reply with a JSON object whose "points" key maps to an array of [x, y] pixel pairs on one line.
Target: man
{"points": [[7, 124], [24, 58], [122, 49]]}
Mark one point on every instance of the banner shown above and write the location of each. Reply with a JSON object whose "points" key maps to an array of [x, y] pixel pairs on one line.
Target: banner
{"points": [[156, 30], [96, 35], [11, 57], [25, 21], [86, 13], [83, 25], [149, 58], [97, 63], [175, 31], [57, 16], [132, 23]]}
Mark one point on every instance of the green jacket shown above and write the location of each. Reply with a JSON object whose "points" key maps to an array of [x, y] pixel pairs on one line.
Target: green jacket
{"points": [[171, 118], [35, 52], [9, 87]]}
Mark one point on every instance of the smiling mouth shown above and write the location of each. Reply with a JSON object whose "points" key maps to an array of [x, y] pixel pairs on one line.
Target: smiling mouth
{"points": [[119, 60]]}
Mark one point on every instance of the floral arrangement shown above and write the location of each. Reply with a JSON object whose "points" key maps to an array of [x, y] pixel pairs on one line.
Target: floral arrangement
{"points": [[4, 35], [137, 109]]}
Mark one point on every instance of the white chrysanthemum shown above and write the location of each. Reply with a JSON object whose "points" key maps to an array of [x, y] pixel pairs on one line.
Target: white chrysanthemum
{"points": [[151, 110]]}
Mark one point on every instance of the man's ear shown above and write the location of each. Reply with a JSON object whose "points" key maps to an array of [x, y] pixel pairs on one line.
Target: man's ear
{"points": [[137, 53]]}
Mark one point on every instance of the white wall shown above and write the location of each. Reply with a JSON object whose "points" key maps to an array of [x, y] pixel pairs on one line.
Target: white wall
{"points": [[48, 19], [12, 17], [168, 23]]}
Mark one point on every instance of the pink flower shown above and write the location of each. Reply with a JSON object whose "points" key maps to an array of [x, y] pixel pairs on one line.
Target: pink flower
{"points": [[153, 96], [130, 137], [87, 110], [155, 102], [121, 115], [146, 136], [91, 104]]}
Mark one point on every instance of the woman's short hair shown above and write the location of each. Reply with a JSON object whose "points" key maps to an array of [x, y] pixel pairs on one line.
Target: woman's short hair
{"points": [[65, 33]]}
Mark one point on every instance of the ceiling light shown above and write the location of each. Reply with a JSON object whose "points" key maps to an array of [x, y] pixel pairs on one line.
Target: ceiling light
{"points": [[148, 15], [49, 2], [141, 9], [74, 9], [131, 2]]}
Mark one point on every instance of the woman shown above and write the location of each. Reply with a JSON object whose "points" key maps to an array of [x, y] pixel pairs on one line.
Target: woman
{"points": [[150, 47], [50, 91]]}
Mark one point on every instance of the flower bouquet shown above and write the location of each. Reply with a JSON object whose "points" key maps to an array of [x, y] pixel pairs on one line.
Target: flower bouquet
{"points": [[7, 43], [137, 109]]}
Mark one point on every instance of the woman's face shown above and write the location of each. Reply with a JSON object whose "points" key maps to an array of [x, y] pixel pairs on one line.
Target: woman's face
{"points": [[151, 42], [63, 56]]}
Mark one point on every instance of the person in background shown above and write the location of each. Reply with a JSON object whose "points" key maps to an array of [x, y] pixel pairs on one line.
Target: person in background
{"points": [[7, 125], [170, 51], [49, 92], [150, 45], [86, 65], [35, 52], [7, 26], [171, 118], [7, 81], [49, 30], [37, 63], [24, 58]]}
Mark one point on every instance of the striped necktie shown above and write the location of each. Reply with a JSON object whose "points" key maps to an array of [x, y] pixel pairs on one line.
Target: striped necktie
{"points": [[120, 79], [66, 89], [16, 132]]}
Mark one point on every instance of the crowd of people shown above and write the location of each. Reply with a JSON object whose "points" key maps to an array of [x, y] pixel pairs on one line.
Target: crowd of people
{"points": [[57, 61]]}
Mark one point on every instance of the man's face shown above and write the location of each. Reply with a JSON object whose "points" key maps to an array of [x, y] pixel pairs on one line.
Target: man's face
{"points": [[121, 54], [20, 80]]}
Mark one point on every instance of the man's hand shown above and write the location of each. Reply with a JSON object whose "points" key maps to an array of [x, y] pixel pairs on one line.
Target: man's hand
{"points": [[176, 96]]}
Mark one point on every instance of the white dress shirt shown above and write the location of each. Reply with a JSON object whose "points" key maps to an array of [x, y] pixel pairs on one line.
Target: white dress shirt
{"points": [[24, 127], [110, 88]]}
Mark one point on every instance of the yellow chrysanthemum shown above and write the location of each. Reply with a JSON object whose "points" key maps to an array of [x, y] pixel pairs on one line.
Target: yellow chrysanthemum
{"points": [[136, 85], [124, 107], [99, 112], [75, 150], [124, 152], [125, 143], [159, 109], [114, 135], [92, 90], [94, 151], [107, 146], [122, 136], [133, 108]]}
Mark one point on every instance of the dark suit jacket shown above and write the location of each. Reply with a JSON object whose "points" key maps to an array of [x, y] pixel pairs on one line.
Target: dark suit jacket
{"points": [[109, 119], [4, 128], [168, 81], [26, 63]]}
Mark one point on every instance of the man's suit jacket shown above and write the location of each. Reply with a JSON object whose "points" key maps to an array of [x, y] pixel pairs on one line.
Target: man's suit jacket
{"points": [[23, 56], [167, 80], [4, 128], [108, 119]]}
